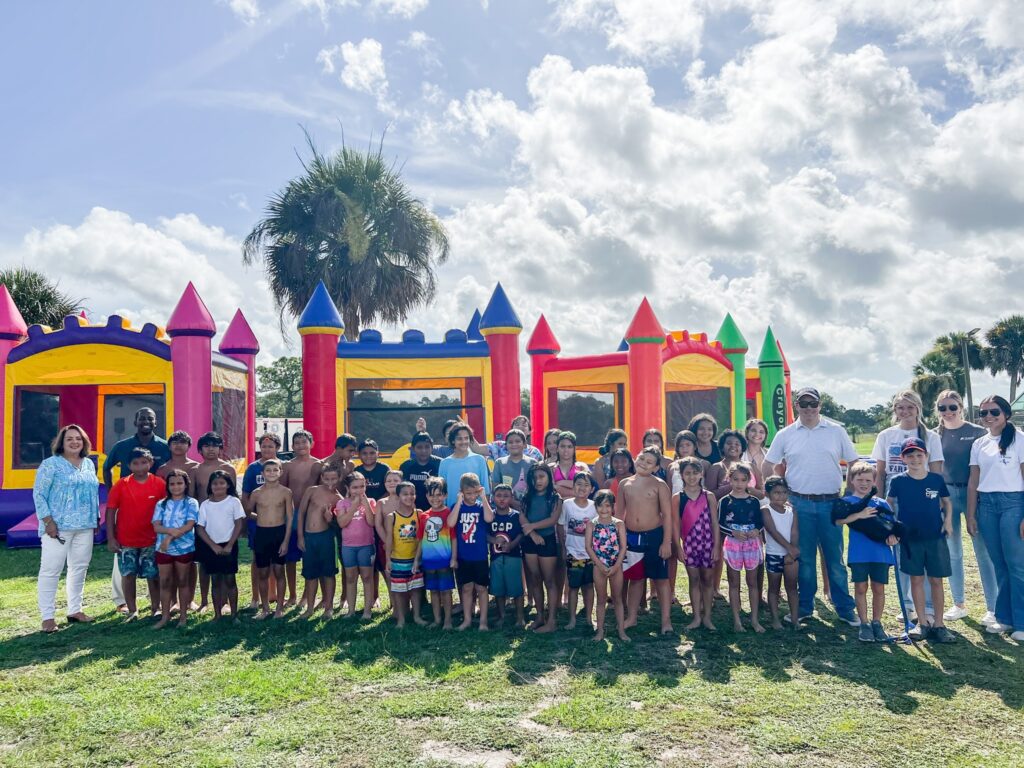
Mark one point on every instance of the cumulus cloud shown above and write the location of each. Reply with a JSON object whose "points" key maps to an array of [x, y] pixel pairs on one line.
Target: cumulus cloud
{"points": [[652, 30], [404, 9], [247, 10], [362, 68], [139, 270]]}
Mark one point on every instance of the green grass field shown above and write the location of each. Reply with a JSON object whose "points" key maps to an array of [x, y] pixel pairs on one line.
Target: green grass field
{"points": [[297, 693]]}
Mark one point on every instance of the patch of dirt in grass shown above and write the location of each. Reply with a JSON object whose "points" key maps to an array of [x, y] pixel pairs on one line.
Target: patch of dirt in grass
{"points": [[720, 752], [527, 722], [449, 753]]}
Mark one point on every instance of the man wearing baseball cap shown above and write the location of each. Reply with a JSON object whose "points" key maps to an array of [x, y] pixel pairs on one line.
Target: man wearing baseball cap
{"points": [[808, 451], [921, 501]]}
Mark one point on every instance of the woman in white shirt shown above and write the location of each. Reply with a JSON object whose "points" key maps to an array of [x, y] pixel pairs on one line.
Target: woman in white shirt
{"points": [[995, 508]]}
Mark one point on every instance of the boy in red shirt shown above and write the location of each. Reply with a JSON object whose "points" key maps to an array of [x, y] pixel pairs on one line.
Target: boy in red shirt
{"points": [[130, 532]]}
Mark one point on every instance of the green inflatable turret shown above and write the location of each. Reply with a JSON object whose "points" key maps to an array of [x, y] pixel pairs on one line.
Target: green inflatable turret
{"points": [[773, 384], [734, 347]]}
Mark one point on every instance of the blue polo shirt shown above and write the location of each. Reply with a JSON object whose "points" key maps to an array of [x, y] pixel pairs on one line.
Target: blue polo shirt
{"points": [[122, 450]]}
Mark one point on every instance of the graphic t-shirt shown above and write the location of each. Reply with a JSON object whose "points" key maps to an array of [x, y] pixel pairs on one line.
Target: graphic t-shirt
{"points": [[174, 513], [512, 473], [739, 514], [919, 505], [470, 528], [135, 503], [864, 549], [253, 477], [889, 443], [418, 474], [509, 525], [359, 531], [574, 524], [436, 539], [375, 480]]}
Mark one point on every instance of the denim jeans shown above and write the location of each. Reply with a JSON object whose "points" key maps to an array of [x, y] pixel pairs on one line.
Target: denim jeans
{"points": [[814, 519], [958, 495], [999, 518]]}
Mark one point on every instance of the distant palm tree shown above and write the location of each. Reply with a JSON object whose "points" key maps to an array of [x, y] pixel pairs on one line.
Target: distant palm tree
{"points": [[38, 298], [1005, 353], [935, 371], [350, 221]]}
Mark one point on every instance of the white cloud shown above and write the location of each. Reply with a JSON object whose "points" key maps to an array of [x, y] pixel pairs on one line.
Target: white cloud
{"points": [[247, 10], [404, 9], [650, 30], [362, 68], [123, 266]]}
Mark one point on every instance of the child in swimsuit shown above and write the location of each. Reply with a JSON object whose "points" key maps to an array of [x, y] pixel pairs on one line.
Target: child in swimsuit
{"points": [[699, 546], [566, 466], [605, 540], [739, 517]]}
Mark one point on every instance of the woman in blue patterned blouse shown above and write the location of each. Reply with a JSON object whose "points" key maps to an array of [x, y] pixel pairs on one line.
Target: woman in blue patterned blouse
{"points": [[66, 496]]}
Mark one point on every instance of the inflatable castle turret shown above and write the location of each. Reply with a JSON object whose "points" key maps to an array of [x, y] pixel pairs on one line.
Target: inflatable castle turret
{"points": [[191, 329], [12, 332], [241, 344], [735, 347], [645, 337], [542, 348], [500, 327], [320, 326], [775, 395]]}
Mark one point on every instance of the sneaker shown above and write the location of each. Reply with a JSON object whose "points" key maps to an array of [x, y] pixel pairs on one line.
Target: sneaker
{"points": [[919, 632], [955, 614], [942, 635], [866, 635], [849, 618], [988, 619], [800, 618], [881, 636], [995, 628], [1018, 636]]}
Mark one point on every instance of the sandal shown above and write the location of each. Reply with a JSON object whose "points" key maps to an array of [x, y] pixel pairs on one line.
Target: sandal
{"points": [[51, 628]]}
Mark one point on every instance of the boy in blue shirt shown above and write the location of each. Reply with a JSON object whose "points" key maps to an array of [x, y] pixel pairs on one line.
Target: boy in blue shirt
{"points": [[506, 532], [868, 559], [471, 517], [922, 502]]}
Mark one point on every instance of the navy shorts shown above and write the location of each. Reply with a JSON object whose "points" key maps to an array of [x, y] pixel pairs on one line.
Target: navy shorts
{"points": [[473, 572], [643, 558], [925, 558], [876, 572], [549, 548]]}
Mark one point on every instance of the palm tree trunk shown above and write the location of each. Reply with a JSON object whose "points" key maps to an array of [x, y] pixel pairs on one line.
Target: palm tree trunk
{"points": [[351, 320]]}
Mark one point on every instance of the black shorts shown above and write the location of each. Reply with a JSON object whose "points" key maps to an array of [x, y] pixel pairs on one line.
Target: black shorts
{"points": [[548, 549], [473, 572], [925, 558], [217, 565], [579, 573], [876, 572], [268, 543]]}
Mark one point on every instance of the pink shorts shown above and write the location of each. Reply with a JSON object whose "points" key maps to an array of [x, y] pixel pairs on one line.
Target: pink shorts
{"points": [[743, 555]]}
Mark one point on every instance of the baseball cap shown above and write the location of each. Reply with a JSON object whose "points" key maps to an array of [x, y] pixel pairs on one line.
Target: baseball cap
{"points": [[913, 444], [810, 392]]}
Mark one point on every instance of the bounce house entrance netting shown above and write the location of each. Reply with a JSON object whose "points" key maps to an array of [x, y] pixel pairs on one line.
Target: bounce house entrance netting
{"points": [[681, 405]]}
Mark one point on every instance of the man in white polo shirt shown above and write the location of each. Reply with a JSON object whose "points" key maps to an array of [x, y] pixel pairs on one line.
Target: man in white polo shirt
{"points": [[809, 451]]}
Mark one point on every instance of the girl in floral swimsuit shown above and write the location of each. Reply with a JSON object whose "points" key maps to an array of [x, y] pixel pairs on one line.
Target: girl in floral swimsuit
{"points": [[700, 541], [605, 541]]}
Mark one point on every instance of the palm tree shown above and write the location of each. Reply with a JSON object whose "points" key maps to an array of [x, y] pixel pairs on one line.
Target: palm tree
{"points": [[38, 298], [350, 221], [1005, 352], [935, 371]]}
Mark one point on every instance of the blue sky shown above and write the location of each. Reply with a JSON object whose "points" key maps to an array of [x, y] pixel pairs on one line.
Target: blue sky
{"points": [[846, 171]]}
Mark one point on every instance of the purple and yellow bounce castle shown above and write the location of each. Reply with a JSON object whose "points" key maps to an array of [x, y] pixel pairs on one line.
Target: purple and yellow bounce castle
{"points": [[657, 378], [98, 376]]}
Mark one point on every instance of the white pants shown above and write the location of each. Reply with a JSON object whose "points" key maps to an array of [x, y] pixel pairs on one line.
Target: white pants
{"points": [[116, 585], [76, 551]]}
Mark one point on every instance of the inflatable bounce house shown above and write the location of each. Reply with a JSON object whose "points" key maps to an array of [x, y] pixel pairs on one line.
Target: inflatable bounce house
{"points": [[98, 376], [370, 387]]}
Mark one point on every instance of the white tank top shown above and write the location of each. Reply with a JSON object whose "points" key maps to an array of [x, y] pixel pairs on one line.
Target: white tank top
{"points": [[784, 525]]}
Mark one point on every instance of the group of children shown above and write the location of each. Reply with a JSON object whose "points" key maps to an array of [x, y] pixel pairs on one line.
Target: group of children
{"points": [[541, 529]]}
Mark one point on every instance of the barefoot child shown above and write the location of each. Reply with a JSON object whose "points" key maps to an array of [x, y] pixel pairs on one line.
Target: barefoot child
{"points": [[506, 556], [174, 521], [542, 508], [316, 540], [576, 512], [298, 475], [271, 503], [605, 539], [782, 549], [700, 541], [437, 553], [400, 546], [178, 442], [209, 446], [386, 498], [252, 479], [869, 560], [922, 503], [130, 507], [644, 504], [741, 522], [221, 522], [356, 515], [471, 517]]}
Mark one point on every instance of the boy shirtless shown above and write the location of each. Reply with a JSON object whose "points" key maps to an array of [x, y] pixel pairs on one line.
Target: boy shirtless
{"points": [[344, 450], [209, 445], [179, 442], [299, 474], [271, 504], [316, 540], [644, 503]]}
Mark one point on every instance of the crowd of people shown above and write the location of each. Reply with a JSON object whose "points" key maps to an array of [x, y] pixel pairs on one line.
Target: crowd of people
{"points": [[540, 532]]}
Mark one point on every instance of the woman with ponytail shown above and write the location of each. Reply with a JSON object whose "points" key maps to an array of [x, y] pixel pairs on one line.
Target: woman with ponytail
{"points": [[995, 508], [613, 441]]}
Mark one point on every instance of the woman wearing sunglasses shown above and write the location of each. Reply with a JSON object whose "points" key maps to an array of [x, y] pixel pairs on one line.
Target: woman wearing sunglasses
{"points": [[957, 438], [66, 497], [995, 508]]}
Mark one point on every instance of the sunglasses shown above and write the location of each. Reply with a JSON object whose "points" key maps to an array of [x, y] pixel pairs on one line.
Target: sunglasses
{"points": [[951, 408], [808, 403], [982, 412]]}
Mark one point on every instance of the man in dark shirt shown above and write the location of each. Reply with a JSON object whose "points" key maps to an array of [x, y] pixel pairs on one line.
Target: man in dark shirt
{"points": [[373, 470], [421, 466]]}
